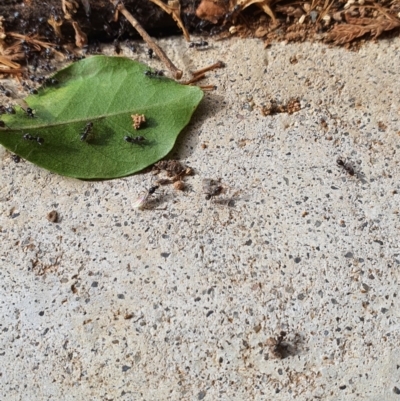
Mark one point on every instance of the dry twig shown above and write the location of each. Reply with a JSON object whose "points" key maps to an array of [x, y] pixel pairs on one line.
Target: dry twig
{"points": [[14, 71], [6, 61], [150, 42], [207, 87], [218, 64], [196, 78], [33, 40]]}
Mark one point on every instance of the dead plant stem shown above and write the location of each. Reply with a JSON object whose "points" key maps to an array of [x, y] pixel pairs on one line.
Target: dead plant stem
{"points": [[150, 42]]}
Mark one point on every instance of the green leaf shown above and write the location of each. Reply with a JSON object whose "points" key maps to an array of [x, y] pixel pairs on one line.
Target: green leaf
{"points": [[105, 91]]}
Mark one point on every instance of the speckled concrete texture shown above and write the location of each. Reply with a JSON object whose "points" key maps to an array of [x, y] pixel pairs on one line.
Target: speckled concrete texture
{"points": [[180, 301]]}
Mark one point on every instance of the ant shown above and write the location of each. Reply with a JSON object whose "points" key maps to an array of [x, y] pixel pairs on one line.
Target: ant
{"points": [[32, 91], [48, 53], [29, 112], [29, 137], [51, 81], [150, 53], [8, 110], [38, 79], [202, 44], [131, 47], [16, 158], [212, 188], [346, 166], [154, 74], [87, 132], [5, 91], [135, 140], [141, 202], [117, 46]]}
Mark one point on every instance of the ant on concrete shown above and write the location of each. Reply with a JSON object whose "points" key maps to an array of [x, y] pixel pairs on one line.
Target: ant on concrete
{"points": [[346, 166]]}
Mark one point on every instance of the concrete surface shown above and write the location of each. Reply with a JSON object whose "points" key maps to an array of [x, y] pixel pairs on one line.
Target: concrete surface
{"points": [[179, 302]]}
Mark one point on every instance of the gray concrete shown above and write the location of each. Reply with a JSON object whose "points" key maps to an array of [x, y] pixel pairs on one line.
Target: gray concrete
{"points": [[177, 302]]}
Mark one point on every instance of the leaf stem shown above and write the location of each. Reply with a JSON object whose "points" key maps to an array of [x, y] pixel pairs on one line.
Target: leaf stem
{"points": [[150, 42]]}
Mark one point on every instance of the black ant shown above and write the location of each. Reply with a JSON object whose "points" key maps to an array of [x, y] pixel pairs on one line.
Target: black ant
{"points": [[87, 132], [38, 79], [140, 203], [48, 53], [135, 140], [212, 188], [346, 166], [29, 137], [51, 81], [8, 110], [29, 112], [117, 46], [202, 44], [5, 91], [150, 53], [152, 189], [131, 47], [32, 91], [154, 74], [16, 158]]}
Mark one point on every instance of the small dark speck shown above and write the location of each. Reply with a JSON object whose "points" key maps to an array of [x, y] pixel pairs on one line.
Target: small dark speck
{"points": [[197, 299], [165, 254], [333, 300], [248, 242], [210, 312], [297, 260], [125, 368], [349, 255], [121, 296], [301, 297], [384, 310], [342, 387], [41, 313], [396, 390], [333, 187], [14, 215], [95, 284], [45, 332], [201, 395], [378, 242]]}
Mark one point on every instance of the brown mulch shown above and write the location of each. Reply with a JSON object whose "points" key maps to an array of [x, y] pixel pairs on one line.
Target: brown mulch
{"points": [[34, 30]]}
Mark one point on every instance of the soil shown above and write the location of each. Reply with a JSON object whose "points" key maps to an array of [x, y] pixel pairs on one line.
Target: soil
{"points": [[32, 29], [295, 21]]}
